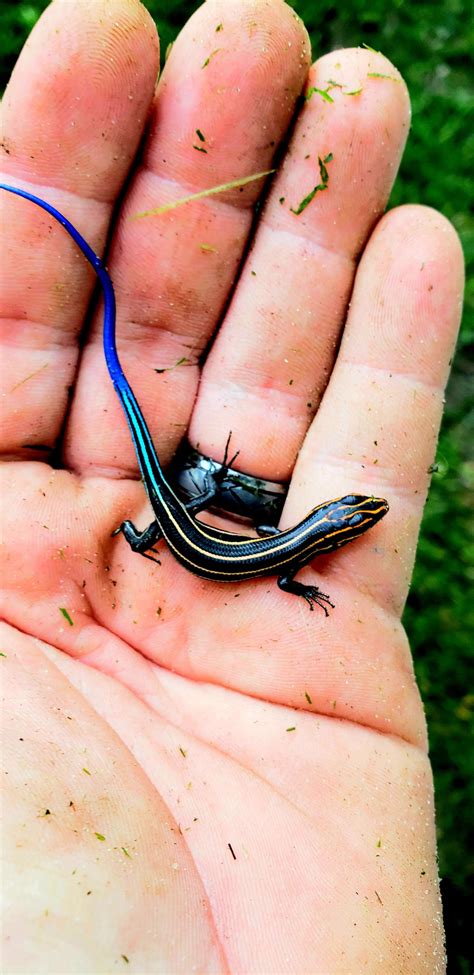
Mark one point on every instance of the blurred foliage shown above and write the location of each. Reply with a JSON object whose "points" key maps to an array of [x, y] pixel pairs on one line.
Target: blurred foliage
{"points": [[429, 42]]}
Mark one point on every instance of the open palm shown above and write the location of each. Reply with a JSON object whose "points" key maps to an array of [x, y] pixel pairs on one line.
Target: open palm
{"points": [[204, 777]]}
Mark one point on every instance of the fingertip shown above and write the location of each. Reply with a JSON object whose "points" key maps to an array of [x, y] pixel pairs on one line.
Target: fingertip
{"points": [[417, 220], [357, 69], [416, 250], [232, 80], [373, 107], [79, 95]]}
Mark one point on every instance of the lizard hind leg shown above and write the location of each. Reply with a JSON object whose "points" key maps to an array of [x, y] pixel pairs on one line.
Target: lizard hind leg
{"points": [[141, 542]]}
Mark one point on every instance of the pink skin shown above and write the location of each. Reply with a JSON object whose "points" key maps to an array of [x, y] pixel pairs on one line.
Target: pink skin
{"points": [[160, 719]]}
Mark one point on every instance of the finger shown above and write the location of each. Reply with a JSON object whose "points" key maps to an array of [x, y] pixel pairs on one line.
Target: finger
{"points": [[272, 358], [73, 115], [377, 428], [224, 102]]}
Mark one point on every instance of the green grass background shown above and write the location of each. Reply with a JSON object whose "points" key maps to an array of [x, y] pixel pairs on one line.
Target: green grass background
{"points": [[429, 42]]}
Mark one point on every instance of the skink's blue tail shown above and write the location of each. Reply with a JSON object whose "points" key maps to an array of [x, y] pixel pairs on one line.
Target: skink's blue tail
{"points": [[146, 452], [116, 374]]}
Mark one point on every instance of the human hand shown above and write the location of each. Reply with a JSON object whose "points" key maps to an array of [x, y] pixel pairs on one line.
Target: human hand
{"points": [[151, 727]]}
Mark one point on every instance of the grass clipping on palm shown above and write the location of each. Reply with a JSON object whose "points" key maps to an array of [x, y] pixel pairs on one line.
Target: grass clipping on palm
{"points": [[212, 191]]}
